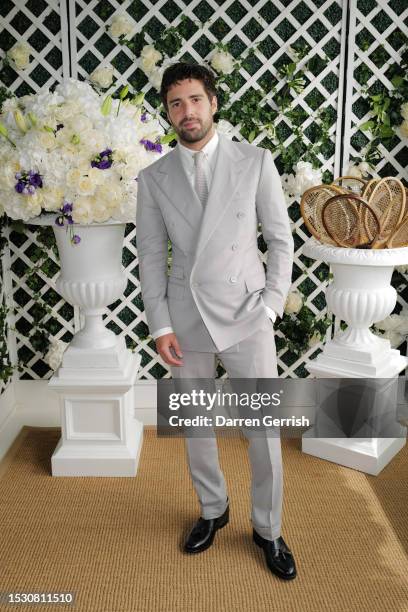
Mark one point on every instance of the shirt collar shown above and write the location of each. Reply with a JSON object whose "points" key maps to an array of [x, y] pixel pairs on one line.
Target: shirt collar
{"points": [[208, 149]]}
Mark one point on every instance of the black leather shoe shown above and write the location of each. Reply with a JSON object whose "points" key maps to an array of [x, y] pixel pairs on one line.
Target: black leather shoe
{"points": [[202, 534], [278, 557]]}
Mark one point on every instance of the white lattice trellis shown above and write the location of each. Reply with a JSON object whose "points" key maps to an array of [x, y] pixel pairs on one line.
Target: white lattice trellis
{"points": [[276, 26]]}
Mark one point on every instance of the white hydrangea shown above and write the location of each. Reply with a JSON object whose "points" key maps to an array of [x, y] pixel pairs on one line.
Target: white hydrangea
{"points": [[222, 62]]}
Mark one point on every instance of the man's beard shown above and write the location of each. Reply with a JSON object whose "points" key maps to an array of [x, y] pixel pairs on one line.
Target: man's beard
{"points": [[198, 133]]}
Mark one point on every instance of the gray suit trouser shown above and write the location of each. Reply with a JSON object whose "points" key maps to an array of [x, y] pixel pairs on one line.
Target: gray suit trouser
{"points": [[255, 357]]}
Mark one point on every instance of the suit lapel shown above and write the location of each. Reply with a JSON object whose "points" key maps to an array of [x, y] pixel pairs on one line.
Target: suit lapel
{"points": [[231, 164], [176, 187]]}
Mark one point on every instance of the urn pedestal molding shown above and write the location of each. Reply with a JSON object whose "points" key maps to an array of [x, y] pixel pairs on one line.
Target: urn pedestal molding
{"points": [[100, 436], [360, 294]]}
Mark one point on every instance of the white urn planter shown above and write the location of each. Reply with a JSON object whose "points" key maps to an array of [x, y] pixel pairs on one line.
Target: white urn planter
{"points": [[100, 436], [360, 294]]}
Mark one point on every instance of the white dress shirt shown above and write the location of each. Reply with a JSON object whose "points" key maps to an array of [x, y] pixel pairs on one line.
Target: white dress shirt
{"points": [[187, 160]]}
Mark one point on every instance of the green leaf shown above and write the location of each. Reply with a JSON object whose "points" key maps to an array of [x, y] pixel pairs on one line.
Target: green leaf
{"points": [[106, 106], [167, 138], [124, 92], [368, 125]]}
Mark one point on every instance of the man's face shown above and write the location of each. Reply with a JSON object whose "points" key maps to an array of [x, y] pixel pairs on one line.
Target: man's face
{"points": [[189, 110]]}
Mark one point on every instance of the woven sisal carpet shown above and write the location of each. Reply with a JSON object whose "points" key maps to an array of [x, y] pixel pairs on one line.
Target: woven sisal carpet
{"points": [[115, 541]]}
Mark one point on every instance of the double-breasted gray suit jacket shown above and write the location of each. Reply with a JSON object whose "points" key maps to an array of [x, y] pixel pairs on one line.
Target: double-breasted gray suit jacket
{"points": [[212, 296]]}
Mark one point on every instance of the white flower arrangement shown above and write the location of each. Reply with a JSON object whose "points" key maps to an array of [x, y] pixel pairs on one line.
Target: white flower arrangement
{"points": [[305, 177], [75, 153]]}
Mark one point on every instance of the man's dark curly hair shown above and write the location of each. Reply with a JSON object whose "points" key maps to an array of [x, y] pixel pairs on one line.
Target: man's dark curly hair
{"points": [[181, 71]]}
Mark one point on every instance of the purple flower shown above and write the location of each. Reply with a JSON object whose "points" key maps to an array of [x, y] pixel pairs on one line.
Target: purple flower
{"points": [[103, 160], [35, 179], [76, 239], [27, 182], [66, 208], [143, 117], [151, 146]]}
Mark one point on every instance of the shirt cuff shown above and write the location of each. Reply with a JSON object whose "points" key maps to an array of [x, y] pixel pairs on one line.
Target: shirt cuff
{"points": [[161, 332], [271, 313]]}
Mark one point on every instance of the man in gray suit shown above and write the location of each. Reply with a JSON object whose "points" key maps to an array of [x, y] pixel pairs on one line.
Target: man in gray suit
{"points": [[207, 196]]}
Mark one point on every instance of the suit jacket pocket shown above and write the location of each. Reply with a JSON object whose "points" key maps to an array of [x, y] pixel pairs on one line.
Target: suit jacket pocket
{"points": [[175, 290], [255, 282]]}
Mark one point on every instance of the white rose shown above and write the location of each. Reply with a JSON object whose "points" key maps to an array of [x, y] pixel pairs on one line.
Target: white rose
{"points": [[20, 55], [294, 302], [86, 186], [53, 198], [102, 76], [120, 26], [149, 58], [96, 176], [155, 77], [404, 128], [82, 210], [404, 111], [222, 62], [73, 176]]}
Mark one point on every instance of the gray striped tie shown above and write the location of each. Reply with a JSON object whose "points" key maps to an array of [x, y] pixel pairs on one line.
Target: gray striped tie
{"points": [[200, 182]]}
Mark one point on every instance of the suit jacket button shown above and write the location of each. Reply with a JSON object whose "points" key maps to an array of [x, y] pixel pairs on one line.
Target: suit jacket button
{"points": [[234, 246], [233, 279], [240, 214]]}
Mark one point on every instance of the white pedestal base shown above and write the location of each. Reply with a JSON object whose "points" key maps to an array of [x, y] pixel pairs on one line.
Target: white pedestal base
{"points": [[100, 436], [374, 360], [369, 455]]}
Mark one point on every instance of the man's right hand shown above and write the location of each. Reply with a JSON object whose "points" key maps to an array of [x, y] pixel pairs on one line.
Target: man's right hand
{"points": [[169, 349]]}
